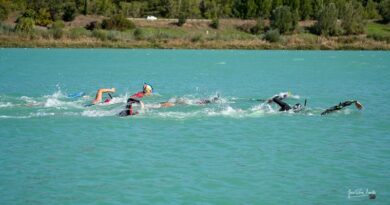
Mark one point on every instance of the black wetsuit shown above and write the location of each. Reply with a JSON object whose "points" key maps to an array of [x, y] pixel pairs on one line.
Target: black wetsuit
{"points": [[338, 107], [286, 107], [129, 108], [206, 101], [283, 106]]}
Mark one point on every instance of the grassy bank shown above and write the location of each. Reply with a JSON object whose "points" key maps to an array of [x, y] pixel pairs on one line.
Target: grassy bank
{"points": [[195, 34]]}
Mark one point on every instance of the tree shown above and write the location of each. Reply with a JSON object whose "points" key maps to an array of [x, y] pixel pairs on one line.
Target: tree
{"points": [[102, 7], [282, 19], [276, 4], [69, 12], [306, 9], [371, 10], [266, 8], [327, 21], [240, 9], [318, 5], [4, 11], [385, 10], [352, 19]]}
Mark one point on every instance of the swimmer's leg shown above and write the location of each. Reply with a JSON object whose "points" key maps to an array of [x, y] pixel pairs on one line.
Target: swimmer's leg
{"points": [[167, 104], [99, 94]]}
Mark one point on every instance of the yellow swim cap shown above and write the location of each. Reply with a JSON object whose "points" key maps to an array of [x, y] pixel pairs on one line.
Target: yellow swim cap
{"points": [[148, 88]]}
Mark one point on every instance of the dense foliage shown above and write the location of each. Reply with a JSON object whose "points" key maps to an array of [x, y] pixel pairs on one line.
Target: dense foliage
{"points": [[333, 17], [327, 21], [245, 9], [117, 22]]}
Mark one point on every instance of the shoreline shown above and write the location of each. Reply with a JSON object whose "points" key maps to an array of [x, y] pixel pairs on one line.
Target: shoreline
{"points": [[322, 44]]}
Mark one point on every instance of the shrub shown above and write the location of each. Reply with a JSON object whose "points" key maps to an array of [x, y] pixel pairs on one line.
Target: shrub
{"points": [[113, 36], [182, 20], [93, 25], [259, 27], [6, 29], [196, 38], [117, 22], [4, 11], [69, 12], [57, 29], [76, 33], [29, 13], [214, 23], [24, 25], [327, 21], [282, 19], [379, 37], [384, 10], [246, 27], [272, 36], [138, 34], [352, 18], [100, 34], [43, 17]]}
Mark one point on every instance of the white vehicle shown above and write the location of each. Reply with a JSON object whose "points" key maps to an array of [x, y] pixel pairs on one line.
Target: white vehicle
{"points": [[151, 18]]}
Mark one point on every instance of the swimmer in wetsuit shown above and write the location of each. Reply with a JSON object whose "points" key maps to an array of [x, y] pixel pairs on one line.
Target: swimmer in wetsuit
{"points": [[146, 91], [286, 107], [199, 102], [341, 105], [129, 108]]}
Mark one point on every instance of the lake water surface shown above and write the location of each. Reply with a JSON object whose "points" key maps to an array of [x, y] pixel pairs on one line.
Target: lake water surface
{"points": [[54, 150]]}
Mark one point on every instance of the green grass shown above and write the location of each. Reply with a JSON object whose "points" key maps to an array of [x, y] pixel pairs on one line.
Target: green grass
{"points": [[378, 29], [379, 32]]}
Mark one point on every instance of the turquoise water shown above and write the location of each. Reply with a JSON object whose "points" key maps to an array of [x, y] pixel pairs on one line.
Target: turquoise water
{"points": [[53, 150]]}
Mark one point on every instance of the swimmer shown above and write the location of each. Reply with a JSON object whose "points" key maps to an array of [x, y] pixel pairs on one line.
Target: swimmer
{"points": [[99, 95], [286, 107], [146, 91], [129, 107], [341, 105], [199, 102], [281, 96]]}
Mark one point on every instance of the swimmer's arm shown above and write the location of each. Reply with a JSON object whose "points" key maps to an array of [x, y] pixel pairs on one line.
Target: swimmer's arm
{"points": [[142, 105]]}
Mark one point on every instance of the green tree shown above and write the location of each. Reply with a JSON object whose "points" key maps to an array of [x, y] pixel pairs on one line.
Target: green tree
{"points": [[385, 10], [208, 9], [240, 9], [282, 19], [371, 10], [318, 5], [252, 9], [276, 4], [69, 12], [327, 21], [102, 7], [306, 9], [266, 8], [352, 19], [4, 10]]}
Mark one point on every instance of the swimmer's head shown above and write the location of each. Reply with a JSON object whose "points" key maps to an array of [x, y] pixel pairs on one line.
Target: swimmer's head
{"points": [[147, 88], [297, 107]]}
